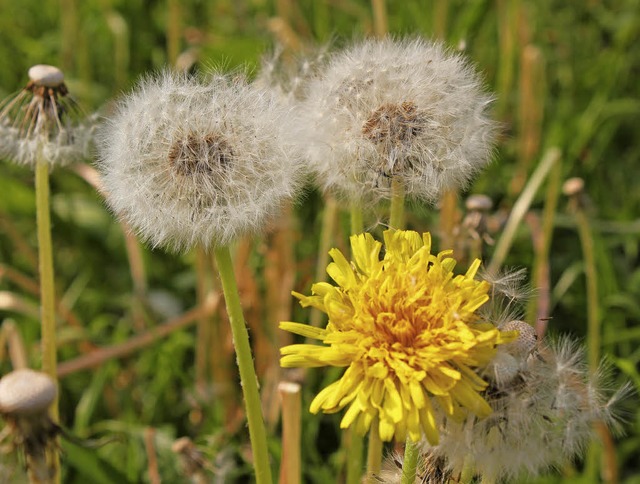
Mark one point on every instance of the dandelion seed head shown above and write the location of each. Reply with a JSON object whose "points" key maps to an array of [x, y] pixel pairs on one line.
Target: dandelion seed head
{"points": [[404, 109], [542, 417], [188, 161], [526, 341], [43, 123]]}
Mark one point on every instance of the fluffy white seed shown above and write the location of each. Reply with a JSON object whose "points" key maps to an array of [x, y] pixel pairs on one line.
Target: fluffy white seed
{"points": [[188, 162], [395, 109], [542, 417]]}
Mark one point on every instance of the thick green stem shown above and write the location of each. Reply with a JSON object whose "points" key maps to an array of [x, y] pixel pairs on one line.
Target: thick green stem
{"points": [[374, 452], [396, 211], [357, 223], [355, 447], [248, 378], [410, 462], [47, 291]]}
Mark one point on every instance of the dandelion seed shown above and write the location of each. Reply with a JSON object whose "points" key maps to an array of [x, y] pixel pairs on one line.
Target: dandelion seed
{"points": [[289, 78], [389, 109], [43, 122], [187, 162], [543, 415], [408, 332]]}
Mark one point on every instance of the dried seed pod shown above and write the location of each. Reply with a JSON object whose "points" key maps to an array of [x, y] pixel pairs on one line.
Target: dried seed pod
{"points": [[43, 123], [26, 392], [25, 397]]}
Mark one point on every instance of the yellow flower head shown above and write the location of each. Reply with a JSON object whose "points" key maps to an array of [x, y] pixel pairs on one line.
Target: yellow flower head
{"points": [[407, 330]]}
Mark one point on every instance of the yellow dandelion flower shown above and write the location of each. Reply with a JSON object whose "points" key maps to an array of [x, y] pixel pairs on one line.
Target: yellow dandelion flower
{"points": [[407, 330]]}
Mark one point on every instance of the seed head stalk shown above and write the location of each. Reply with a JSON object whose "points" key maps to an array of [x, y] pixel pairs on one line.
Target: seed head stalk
{"points": [[248, 378], [47, 288], [396, 211], [593, 309]]}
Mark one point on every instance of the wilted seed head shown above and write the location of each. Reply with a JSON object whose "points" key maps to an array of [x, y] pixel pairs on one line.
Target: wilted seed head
{"points": [[573, 186], [26, 392], [542, 417], [43, 122], [25, 397], [187, 161], [395, 109], [526, 342], [478, 203]]}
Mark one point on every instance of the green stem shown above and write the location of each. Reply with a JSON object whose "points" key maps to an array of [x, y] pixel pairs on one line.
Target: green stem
{"points": [[593, 307], [329, 216], [374, 452], [357, 223], [396, 211], [355, 446], [248, 378], [410, 462], [47, 290]]}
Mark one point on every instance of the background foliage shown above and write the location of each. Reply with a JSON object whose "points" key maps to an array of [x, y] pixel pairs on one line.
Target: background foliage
{"points": [[565, 75]]}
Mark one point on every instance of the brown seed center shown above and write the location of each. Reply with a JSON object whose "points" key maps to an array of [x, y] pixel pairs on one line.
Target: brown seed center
{"points": [[200, 155], [392, 124]]}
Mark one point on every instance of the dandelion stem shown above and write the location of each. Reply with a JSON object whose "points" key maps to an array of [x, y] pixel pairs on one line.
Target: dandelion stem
{"points": [[396, 211], [329, 217], [248, 378], [47, 289], [357, 224], [593, 307], [374, 452], [410, 462], [354, 447]]}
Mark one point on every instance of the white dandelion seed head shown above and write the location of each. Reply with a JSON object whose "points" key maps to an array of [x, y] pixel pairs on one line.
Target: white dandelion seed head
{"points": [[43, 123], [542, 417], [395, 109], [289, 76], [187, 162]]}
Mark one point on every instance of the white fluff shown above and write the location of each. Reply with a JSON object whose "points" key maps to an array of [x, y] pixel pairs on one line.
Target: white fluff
{"points": [[188, 162], [403, 109]]}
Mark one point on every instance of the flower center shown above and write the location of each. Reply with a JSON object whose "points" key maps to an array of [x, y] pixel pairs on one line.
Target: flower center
{"points": [[197, 155], [393, 124]]}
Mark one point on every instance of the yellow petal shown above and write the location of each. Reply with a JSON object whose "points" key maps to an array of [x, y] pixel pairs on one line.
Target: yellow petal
{"points": [[392, 404], [470, 399], [303, 330], [428, 421]]}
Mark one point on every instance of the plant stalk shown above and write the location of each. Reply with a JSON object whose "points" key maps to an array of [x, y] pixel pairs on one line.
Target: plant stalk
{"points": [[47, 291], [248, 378], [396, 211]]}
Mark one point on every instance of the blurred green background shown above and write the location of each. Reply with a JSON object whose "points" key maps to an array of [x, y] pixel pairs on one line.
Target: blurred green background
{"points": [[565, 75]]}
